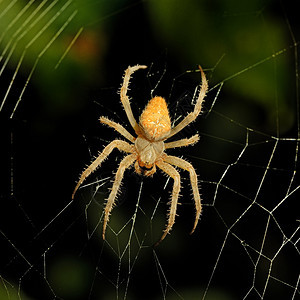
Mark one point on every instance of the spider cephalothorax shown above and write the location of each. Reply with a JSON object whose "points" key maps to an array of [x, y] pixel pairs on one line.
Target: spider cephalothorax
{"points": [[147, 150]]}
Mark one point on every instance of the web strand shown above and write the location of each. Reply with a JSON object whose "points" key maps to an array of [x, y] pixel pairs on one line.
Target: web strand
{"points": [[246, 245]]}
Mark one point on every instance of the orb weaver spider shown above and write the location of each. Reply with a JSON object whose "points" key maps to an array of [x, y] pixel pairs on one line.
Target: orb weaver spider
{"points": [[147, 150]]}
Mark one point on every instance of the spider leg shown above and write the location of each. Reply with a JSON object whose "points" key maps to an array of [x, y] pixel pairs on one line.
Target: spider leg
{"points": [[181, 163], [121, 145], [183, 142], [124, 98], [125, 163], [197, 109], [171, 171], [118, 127]]}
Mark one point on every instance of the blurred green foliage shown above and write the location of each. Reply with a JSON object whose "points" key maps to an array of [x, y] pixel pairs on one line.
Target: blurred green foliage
{"points": [[70, 41], [10, 291]]}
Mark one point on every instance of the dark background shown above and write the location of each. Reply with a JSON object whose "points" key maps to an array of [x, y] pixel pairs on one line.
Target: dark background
{"points": [[48, 246]]}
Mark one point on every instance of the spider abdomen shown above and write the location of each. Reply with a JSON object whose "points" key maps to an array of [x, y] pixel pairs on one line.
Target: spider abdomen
{"points": [[155, 120]]}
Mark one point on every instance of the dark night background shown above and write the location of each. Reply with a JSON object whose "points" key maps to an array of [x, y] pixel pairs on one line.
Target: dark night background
{"points": [[48, 247]]}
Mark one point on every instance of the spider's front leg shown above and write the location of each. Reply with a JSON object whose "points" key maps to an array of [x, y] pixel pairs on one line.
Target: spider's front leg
{"points": [[197, 109], [171, 171], [124, 98]]}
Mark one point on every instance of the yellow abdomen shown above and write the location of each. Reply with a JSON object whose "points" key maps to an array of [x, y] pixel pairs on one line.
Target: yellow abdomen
{"points": [[155, 119]]}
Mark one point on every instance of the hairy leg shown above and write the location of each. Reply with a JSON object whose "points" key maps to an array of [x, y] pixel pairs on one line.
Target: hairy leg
{"points": [[121, 145], [181, 163], [118, 127], [125, 163], [183, 142], [197, 109], [124, 98], [171, 171]]}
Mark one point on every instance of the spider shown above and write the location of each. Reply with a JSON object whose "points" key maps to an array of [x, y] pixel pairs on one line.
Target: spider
{"points": [[147, 150]]}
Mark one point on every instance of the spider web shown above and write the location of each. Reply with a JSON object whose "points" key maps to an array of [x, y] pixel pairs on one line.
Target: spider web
{"points": [[246, 245]]}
